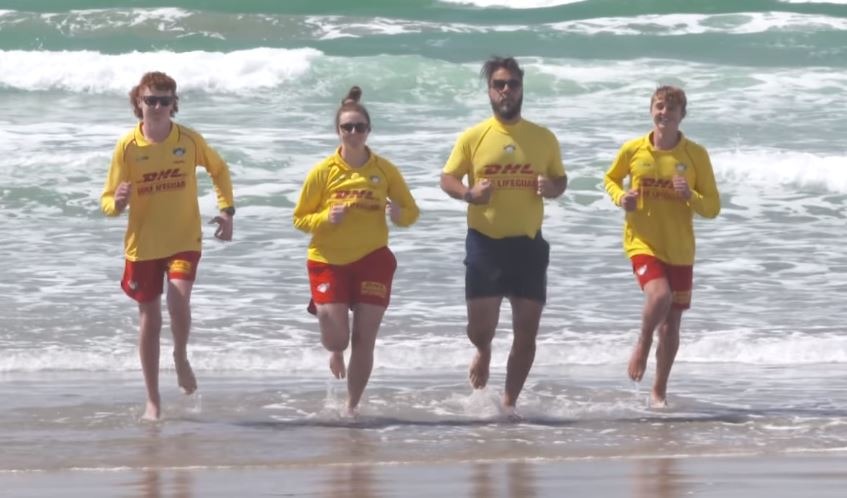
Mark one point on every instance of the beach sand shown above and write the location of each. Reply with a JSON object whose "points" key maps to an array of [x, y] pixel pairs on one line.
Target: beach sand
{"points": [[75, 435], [750, 476]]}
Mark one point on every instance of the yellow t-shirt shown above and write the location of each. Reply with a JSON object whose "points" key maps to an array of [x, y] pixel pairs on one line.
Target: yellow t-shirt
{"points": [[662, 226], [511, 157], [164, 215], [366, 191]]}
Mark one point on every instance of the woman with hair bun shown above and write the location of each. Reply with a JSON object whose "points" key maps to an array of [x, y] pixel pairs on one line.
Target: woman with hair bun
{"points": [[343, 205]]}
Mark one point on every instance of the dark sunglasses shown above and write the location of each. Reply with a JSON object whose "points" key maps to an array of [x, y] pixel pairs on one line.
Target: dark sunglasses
{"points": [[152, 100], [514, 84], [359, 127]]}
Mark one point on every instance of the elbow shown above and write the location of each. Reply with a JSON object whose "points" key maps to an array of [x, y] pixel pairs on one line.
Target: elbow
{"points": [[412, 219], [709, 212], [714, 213], [108, 208], [408, 218], [303, 224], [444, 182]]}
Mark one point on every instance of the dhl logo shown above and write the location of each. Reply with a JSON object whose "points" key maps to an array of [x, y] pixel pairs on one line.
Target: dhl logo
{"points": [[656, 182], [165, 174], [354, 194], [508, 169]]}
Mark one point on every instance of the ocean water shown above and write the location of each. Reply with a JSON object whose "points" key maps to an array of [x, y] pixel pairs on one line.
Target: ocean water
{"points": [[762, 366]]}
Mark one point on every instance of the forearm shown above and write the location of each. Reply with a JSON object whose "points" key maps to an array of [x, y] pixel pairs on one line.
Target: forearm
{"points": [[559, 185], [311, 222], [453, 187]]}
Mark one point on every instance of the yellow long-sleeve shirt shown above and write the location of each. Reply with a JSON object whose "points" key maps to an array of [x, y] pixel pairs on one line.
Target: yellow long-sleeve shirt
{"points": [[511, 157], [164, 215], [366, 191], [662, 226]]}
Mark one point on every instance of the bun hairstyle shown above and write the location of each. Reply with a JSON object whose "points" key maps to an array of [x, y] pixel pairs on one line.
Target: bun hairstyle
{"points": [[351, 103], [353, 96]]}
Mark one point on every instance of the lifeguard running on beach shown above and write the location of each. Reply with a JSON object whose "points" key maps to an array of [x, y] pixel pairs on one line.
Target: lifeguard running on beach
{"points": [[511, 166], [153, 173], [343, 204], [670, 179]]}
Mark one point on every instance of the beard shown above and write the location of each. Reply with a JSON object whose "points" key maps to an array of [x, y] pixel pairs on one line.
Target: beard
{"points": [[507, 109]]}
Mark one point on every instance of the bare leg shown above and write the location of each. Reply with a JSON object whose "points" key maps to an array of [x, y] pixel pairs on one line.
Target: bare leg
{"points": [[526, 315], [179, 307], [334, 322], [665, 355], [657, 303], [483, 315], [150, 326], [366, 321]]}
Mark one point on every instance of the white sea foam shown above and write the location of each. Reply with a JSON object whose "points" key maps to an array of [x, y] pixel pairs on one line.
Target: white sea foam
{"points": [[76, 21], [774, 168], [737, 23], [514, 4], [334, 27], [836, 2], [94, 72], [247, 353]]}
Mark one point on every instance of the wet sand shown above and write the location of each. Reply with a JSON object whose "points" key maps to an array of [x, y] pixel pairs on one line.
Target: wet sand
{"points": [[752, 476]]}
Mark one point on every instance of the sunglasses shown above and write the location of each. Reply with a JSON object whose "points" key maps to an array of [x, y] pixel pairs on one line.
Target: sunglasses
{"points": [[359, 127], [514, 84], [152, 100]]}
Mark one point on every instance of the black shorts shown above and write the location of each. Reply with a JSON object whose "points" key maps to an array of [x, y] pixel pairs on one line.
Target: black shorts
{"points": [[512, 266]]}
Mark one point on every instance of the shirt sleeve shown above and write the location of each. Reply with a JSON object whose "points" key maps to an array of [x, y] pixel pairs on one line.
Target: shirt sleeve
{"points": [[615, 175], [218, 170], [308, 216], [399, 192], [459, 162], [556, 169], [705, 199], [118, 172]]}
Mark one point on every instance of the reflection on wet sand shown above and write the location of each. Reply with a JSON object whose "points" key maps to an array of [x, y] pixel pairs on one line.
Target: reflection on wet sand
{"points": [[658, 478], [159, 483], [354, 476], [154, 480], [515, 479]]}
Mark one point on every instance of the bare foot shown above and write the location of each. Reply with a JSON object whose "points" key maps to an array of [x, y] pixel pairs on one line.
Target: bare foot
{"points": [[352, 412], [153, 411], [638, 360], [510, 413], [657, 401], [336, 365], [478, 373], [184, 375]]}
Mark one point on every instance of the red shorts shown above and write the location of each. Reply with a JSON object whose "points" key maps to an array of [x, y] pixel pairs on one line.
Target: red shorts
{"points": [[367, 280], [680, 277], [145, 280]]}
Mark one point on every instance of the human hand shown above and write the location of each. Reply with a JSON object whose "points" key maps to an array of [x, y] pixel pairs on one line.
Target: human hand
{"points": [[629, 201], [337, 212], [122, 194], [680, 184], [545, 187], [225, 226], [394, 212], [481, 192]]}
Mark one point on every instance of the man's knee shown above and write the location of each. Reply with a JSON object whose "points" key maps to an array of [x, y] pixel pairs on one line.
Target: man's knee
{"points": [[481, 334], [523, 344]]}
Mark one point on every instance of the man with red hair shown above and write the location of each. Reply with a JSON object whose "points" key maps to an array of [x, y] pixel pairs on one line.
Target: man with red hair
{"points": [[153, 173]]}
